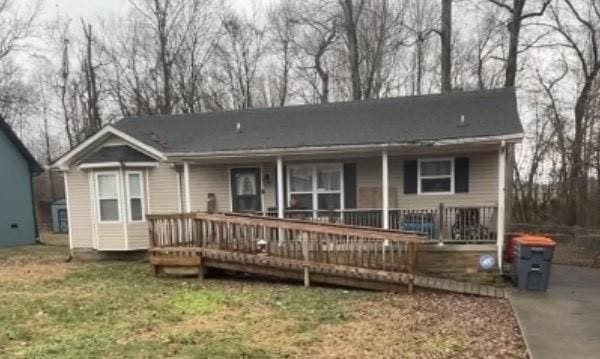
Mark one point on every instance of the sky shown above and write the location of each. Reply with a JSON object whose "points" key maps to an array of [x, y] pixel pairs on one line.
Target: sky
{"points": [[90, 8]]}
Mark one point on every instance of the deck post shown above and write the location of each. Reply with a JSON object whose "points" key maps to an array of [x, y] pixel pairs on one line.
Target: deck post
{"points": [[305, 254], [186, 184], [501, 201], [280, 194], [280, 199], [201, 269], [440, 224], [385, 190]]}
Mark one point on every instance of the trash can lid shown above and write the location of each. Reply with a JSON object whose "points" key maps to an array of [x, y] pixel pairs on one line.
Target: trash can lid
{"points": [[535, 241]]}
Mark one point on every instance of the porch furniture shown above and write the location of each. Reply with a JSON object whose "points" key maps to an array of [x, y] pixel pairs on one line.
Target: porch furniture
{"points": [[467, 226], [420, 222]]}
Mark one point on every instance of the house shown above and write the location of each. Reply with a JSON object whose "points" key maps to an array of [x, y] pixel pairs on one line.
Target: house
{"points": [[437, 164], [17, 215]]}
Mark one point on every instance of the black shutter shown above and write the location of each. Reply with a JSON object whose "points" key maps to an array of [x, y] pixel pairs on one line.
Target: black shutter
{"points": [[410, 176], [349, 185], [461, 175]]}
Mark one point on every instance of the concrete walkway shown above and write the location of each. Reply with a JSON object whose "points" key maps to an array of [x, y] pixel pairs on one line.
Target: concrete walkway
{"points": [[564, 322]]}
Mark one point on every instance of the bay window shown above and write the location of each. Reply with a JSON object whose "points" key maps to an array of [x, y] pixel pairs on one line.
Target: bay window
{"points": [[316, 187], [109, 196], [436, 176]]}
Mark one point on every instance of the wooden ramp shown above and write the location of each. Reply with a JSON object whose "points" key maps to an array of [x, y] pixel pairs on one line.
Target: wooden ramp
{"points": [[326, 253], [449, 285]]}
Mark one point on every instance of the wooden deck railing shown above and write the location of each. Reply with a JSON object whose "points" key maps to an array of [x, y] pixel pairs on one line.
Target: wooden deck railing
{"points": [[447, 224], [323, 248]]}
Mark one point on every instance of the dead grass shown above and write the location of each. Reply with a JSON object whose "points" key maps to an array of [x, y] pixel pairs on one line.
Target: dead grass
{"points": [[115, 309], [32, 272]]}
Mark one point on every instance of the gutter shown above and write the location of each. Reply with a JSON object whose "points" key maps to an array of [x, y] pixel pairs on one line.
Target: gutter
{"points": [[513, 138]]}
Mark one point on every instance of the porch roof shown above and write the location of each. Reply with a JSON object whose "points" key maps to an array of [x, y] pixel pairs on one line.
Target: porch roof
{"points": [[402, 120]]}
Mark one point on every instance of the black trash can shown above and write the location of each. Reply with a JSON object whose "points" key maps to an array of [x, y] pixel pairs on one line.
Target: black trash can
{"points": [[533, 260]]}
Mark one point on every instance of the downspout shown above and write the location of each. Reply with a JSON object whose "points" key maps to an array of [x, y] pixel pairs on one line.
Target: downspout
{"points": [[33, 207]]}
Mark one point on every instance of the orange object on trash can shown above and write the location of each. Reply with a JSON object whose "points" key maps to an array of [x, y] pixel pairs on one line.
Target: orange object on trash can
{"points": [[535, 241]]}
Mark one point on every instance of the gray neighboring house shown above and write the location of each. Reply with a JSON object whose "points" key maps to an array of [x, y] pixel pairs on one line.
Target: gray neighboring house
{"points": [[17, 216]]}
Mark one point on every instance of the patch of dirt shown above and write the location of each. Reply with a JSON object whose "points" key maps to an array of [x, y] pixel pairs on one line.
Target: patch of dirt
{"points": [[31, 272], [424, 325]]}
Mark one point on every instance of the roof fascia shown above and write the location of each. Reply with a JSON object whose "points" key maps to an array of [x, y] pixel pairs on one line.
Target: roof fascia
{"points": [[63, 162]]}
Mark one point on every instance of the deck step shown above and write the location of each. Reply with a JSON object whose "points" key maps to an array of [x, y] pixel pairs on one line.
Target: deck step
{"points": [[449, 285]]}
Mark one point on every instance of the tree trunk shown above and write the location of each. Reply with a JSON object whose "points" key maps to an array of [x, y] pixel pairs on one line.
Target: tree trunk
{"points": [[350, 26], [446, 53]]}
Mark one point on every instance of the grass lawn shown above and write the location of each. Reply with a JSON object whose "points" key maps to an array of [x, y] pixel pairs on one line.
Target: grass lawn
{"points": [[49, 308]]}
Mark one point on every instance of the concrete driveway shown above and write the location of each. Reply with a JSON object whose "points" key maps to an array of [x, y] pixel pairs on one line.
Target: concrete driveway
{"points": [[563, 322]]}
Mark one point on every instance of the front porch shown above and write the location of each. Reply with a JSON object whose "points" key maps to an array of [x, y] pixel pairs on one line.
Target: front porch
{"points": [[451, 195], [442, 224]]}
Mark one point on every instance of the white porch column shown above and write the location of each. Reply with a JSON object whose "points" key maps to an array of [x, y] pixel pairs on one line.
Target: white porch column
{"points": [[385, 190], [186, 185], [280, 194], [501, 201]]}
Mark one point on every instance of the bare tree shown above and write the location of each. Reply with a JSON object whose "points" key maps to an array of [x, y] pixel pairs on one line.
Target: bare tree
{"points": [[93, 121], [17, 21], [517, 16], [317, 35], [583, 42], [170, 21], [421, 24], [352, 14], [282, 24], [239, 52], [446, 41], [381, 35]]}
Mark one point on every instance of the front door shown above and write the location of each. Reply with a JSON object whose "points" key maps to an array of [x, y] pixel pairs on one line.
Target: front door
{"points": [[245, 190]]}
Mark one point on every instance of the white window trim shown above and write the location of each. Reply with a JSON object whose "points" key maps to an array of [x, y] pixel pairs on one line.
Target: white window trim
{"points": [[315, 191], [419, 177], [98, 197], [129, 197]]}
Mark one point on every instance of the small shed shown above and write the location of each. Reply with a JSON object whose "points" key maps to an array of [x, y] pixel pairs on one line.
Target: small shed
{"points": [[60, 219]]}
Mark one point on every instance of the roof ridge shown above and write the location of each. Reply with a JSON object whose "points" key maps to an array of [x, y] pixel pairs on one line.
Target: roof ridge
{"points": [[194, 116], [34, 165]]}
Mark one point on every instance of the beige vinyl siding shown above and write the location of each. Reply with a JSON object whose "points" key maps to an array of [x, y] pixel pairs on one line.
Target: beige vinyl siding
{"points": [[163, 194], [209, 179], [137, 235], [483, 181], [111, 236], [80, 212], [205, 179]]}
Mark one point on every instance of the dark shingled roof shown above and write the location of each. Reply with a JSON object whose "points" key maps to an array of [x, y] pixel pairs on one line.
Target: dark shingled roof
{"points": [[392, 120], [116, 154], [34, 166]]}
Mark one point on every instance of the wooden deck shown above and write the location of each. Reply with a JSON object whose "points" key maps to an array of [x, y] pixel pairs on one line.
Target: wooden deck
{"points": [[326, 253]]}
